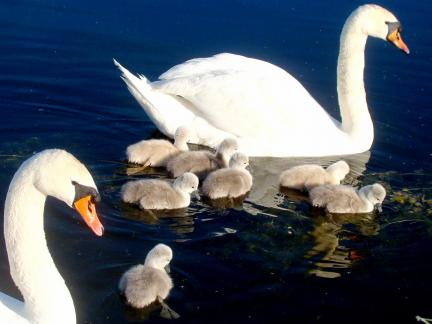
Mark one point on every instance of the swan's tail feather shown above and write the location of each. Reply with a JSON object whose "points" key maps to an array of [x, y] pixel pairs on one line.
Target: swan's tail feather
{"points": [[167, 112], [162, 109], [139, 83], [137, 86], [141, 89]]}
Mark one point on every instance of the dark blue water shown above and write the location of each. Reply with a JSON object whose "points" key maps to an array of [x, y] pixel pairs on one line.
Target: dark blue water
{"points": [[273, 258]]}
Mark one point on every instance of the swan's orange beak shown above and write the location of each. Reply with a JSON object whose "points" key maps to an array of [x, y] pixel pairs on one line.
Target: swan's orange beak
{"points": [[86, 208], [396, 39]]}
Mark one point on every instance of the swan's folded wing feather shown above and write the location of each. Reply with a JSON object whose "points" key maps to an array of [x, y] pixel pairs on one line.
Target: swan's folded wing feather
{"points": [[345, 200], [223, 61], [243, 96], [336, 198], [321, 196]]}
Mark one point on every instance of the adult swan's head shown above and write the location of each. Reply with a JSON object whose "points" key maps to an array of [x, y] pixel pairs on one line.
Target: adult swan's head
{"points": [[49, 173], [373, 20]]}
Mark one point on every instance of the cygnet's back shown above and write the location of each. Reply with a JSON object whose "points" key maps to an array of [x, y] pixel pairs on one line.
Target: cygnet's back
{"points": [[197, 162], [346, 199], [202, 163], [145, 283], [308, 176], [157, 152], [231, 182], [160, 194]]}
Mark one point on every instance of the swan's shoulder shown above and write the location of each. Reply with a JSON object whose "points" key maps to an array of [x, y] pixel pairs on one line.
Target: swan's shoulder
{"points": [[193, 161], [142, 285], [12, 310], [152, 144], [331, 194], [303, 176], [227, 182], [133, 191], [153, 152]]}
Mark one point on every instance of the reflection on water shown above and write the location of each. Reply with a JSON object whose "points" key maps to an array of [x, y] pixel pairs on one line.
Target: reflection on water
{"points": [[331, 233], [266, 173], [181, 221], [226, 202]]}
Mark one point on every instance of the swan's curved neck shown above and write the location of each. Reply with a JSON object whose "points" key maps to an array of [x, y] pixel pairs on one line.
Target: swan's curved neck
{"points": [[47, 299], [356, 120], [181, 144]]}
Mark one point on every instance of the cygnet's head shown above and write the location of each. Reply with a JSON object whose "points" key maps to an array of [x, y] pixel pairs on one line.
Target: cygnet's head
{"points": [[187, 182], [181, 137], [338, 170], [228, 147], [375, 194], [239, 161], [378, 22], [159, 257]]}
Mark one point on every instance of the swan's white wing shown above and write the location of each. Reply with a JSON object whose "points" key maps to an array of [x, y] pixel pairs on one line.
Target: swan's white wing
{"points": [[223, 61], [12, 310], [243, 96]]}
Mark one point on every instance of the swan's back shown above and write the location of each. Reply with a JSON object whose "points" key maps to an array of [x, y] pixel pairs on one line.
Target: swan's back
{"points": [[133, 191], [227, 182], [302, 177], [155, 152], [247, 85], [337, 198], [142, 285], [197, 162]]}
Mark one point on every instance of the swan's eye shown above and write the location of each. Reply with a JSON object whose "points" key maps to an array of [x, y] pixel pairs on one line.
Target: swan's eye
{"points": [[394, 29], [82, 191]]}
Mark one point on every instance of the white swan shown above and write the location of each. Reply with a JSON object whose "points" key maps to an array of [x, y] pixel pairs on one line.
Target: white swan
{"points": [[49, 173], [267, 109]]}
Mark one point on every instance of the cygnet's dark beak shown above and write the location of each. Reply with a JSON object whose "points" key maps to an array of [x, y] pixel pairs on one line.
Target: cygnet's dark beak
{"points": [[167, 268], [195, 195], [379, 208]]}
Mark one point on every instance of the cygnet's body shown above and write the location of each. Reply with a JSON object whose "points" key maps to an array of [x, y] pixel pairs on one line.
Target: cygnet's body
{"points": [[157, 152], [231, 182], [346, 199], [159, 194], [308, 176], [202, 162], [145, 283]]}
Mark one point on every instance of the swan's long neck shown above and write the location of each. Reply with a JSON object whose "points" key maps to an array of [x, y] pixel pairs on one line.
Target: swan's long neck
{"points": [[180, 142], [356, 120], [47, 299]]}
